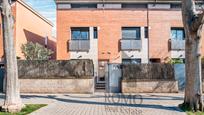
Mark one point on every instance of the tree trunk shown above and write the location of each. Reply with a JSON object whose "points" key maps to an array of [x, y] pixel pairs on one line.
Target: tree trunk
{"points": [[12, 101], [193, 23]]}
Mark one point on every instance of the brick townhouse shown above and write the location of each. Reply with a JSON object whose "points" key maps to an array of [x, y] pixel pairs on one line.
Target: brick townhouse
{"points": [[120, 31], [29, 26]]}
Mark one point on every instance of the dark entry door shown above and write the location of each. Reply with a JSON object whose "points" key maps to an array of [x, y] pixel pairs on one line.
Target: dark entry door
{"points": [[102, 65]]}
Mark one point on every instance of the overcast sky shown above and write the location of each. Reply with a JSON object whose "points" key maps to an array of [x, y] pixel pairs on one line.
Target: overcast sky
{"points": [[45, 7]]}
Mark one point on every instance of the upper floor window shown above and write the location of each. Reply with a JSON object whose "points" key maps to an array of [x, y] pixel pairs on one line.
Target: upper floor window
{"points": [[131, 33], [146, 31], [80, 33], [177, 33], [131, 5], [95, 33], [83, 5], [176, 6]]}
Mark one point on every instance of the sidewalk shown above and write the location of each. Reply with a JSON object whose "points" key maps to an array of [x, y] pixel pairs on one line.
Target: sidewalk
{"points": [[99, 104]]}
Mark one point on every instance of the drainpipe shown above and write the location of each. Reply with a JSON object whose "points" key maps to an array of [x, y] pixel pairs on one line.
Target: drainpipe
{"points": [[148, 34]]}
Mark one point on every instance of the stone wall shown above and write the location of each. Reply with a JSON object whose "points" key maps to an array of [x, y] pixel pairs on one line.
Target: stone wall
{"points": [[73, 76], [56, 85], [157, 86], [149, 78]]}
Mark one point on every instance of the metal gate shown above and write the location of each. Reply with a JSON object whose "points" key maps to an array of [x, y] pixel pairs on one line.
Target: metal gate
{"points": [[113, 78]]}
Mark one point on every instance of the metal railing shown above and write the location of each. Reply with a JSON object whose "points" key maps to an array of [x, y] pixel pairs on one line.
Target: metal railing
{"points": [[177, 44], [79, 45], [127, 44]]}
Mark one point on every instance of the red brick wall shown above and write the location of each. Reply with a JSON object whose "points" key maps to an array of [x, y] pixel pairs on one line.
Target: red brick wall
{"points": [[110, 23], [109, 33], [160, 23]]}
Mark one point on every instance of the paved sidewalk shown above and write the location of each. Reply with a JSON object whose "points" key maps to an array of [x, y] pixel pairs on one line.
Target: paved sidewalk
{"points": [[99, 104]]}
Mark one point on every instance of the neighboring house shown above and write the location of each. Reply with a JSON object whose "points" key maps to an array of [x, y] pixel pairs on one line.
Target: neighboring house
{"points": [[120, 31], [29, 26]]}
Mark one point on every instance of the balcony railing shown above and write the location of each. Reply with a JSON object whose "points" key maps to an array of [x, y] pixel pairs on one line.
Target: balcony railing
{"points": [[79, 45], [177, 44], [131, 44]]}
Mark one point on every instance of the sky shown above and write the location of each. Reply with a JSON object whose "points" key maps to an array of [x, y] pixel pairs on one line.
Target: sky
{"points": [[47, 8]]}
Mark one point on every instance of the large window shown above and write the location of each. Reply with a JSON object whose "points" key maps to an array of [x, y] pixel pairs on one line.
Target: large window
{"points": [[80, 33], [131, 61], [131, 33], [177, 33]]}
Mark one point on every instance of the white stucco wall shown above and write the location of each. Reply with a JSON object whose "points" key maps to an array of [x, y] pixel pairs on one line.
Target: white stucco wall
{"points": [[178, 54]]}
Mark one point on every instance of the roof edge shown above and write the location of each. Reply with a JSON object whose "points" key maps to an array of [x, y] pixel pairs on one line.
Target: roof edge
{"points": [[120, 1], [35, 12]]}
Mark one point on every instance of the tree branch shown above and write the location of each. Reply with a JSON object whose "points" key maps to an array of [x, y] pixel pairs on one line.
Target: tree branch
{"points": [[197, 21], [193, 18]]}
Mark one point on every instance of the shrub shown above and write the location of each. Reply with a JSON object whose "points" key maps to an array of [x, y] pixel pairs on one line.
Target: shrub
{"points": [[35, 51]]}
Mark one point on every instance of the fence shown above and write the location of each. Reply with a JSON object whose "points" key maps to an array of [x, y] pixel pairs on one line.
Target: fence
{"points": [[40, 76], [148, 72]]}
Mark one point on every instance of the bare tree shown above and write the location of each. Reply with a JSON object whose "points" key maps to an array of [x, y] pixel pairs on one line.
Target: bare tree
{"points": [[12, 101], [193, 23]]}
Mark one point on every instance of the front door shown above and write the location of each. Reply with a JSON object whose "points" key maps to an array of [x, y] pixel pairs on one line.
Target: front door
{"points": [[102, 71]]}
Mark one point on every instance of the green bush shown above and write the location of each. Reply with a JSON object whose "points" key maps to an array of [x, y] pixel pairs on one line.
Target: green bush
{"points": [[35, 51], [176, 61]]}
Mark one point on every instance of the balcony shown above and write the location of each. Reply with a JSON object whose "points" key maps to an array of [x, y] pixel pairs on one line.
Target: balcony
{"points": [[79, 45], [127, 44], [177, 44]]}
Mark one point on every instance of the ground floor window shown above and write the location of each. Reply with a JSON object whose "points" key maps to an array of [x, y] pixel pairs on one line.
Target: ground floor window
{"points": [[131, 61], [155, 60]]}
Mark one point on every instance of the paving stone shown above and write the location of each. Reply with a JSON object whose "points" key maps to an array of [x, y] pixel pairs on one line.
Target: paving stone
{"points": [[96, 104]]}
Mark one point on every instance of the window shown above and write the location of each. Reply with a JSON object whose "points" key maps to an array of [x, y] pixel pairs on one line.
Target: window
{"points": [[131, 33], [155, 60], [83, 5], [176, 6], [63, 6], [80, 33], [95, 33], [177, 33], [109, 6], [131, 61], [146, 32], [134, 5]]}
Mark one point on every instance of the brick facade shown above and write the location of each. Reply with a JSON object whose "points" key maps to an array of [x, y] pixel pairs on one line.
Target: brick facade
{"points": [[110, 21]]}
